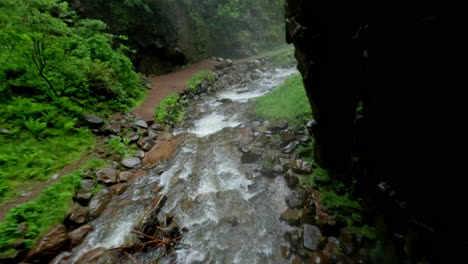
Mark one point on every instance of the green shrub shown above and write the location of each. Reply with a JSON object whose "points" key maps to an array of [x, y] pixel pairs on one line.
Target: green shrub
{"points": [[288, 102], [199, 78], [170, 109]]}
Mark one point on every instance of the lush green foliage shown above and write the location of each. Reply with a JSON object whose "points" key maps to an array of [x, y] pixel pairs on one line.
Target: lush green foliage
{"points": [[121, 146], [47, 53], [38, 215], [170, 109], [199, 78], [288, 102], [53, 68]]}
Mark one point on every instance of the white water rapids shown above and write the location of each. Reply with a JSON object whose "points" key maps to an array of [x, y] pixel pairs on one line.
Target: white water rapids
{"points": [[230, 210]]}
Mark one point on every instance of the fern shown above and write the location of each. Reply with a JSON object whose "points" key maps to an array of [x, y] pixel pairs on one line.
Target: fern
{"points": [[34, 126]]}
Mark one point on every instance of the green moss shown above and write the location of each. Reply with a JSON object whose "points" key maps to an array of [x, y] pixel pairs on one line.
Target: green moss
{"points": [[288, 102], [199, 78], [170, 109]]}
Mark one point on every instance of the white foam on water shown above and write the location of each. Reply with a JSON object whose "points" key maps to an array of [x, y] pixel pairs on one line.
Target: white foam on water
{"points": [[241, 96], [213, 123]]}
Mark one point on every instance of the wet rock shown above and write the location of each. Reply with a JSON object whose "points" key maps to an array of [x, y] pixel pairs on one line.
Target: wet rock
{"points": [[125, 176], [140, 154], [162, 151], [278, 125], [133, 136], [119, 188], [269, 173], [311, 235], [77, 236], [291, 181], [157, 127], [311, 123], [296, 260], [243, 68], [115, 127], [163, 135], [92, 256], [61, 258], [295, 199], [146, 143], [301, 167], [141, 123], [55, 240], [294, 239], [331, 246], [261, 129], [278, 169], [99, 203], [303, 139], [153, 134], [308, 216], [107, 175], [320, 258], [148, 222], [131, 162], [290, 147], [284, 251], [291, 216], [93, 120], [347, 241], [78, 214], [287, 136], [232, 220], [83, 197], [249, 157]]}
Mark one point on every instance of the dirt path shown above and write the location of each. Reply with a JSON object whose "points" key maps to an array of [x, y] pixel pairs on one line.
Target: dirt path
{"points": [[34, 193], [163, 85]]}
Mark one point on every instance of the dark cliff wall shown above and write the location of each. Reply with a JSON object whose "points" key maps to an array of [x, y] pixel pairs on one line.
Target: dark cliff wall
{"points": [[167, 33], [401, 65]]}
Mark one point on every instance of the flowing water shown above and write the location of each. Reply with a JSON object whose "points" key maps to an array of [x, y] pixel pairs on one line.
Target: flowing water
{"points": [[230, 210]]}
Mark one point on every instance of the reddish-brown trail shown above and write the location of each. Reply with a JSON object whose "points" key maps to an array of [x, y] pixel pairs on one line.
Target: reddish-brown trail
{"points": [[162, 86]]}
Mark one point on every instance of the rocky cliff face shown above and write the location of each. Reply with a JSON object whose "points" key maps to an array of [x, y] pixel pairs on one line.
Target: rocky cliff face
{"points": [[398, 65], [167, 33]]}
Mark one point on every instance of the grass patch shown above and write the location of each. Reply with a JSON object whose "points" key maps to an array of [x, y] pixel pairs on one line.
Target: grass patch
{"points": [[199, 78], [26, 160], [288, 102], [31, 220], [170, 109]]}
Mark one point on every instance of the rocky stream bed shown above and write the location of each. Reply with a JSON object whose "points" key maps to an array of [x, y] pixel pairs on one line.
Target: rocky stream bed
{"points": [[220, 187]]}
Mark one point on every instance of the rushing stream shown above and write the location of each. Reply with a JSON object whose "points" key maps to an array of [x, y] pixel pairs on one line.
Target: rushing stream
{"points": [[230, 210]]}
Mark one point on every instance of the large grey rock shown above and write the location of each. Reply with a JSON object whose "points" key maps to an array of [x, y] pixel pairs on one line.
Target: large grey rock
{"points": [[55, 239], [107, 175], [131, 162], [290, 147], [78, 214], [99, 203], [291, 216], [141, 123], [311, 235], [94, 120], [77, 236], [301, 166]]}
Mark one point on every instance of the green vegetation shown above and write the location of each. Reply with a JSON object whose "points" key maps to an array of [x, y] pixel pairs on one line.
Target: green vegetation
{"points": [[199, 78], [288, 102], [29, 221], [170, 109], [54, 67], [121, 146]]}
